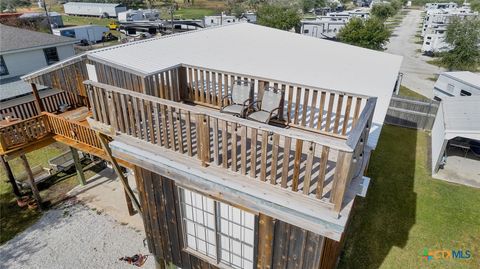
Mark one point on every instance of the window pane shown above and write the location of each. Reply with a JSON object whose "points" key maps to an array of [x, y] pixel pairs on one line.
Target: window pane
{"points": [[198, 222], [237, 237], [51, 55]]}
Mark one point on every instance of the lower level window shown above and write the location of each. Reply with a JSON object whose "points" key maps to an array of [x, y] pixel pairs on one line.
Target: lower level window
{"points": [[217, 230]]}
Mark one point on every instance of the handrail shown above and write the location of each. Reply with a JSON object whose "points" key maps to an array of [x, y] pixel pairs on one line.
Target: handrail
{"points": [[364, 119], [332, 142]]}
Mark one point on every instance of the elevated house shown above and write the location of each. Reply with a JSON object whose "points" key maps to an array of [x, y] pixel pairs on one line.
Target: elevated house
{"points": [[216, 190]]}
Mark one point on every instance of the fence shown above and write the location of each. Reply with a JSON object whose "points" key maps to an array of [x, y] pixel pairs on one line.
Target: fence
{"points": [[412, 112]]}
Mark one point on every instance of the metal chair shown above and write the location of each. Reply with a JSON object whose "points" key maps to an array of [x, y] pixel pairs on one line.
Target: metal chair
{"points": [[239, 99], [267, 108]]}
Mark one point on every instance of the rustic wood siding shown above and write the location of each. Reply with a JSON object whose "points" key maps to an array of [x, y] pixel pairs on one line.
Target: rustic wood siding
{"points": [[279, 244]]}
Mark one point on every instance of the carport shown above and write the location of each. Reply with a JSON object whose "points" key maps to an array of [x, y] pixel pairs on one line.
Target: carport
{"points": [[456, 140]]}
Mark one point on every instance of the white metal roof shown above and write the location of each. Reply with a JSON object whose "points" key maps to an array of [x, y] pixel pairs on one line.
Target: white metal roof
{"points": [[462, 116], [465, 77], [269, 53]]}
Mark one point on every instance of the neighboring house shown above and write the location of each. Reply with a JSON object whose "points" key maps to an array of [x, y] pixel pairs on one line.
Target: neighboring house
{"points": [[219, 191], [329, 25], [460, 83], [435, 26], [23, 51], [322, 27], [107, 10], [457, 129]]}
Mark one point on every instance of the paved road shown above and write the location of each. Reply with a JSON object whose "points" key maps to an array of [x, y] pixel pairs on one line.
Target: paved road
{"points": [[416, 72]]}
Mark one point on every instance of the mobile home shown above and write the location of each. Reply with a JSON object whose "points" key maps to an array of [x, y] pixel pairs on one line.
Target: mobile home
{"points": [[462, 83]]}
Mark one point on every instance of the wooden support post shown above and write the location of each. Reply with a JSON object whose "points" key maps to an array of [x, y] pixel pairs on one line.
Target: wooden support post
{"points": [[38, 101], [11, 178], [340, 179], [131, 210], [33, 186], [266, 228], [118, 170], [78, 166]]}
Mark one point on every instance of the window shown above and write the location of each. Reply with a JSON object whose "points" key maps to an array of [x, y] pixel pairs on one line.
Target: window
{"points": [[450, 88], [3, 67], [465, 93], [218, 231], [51, 55], [305, 31]]}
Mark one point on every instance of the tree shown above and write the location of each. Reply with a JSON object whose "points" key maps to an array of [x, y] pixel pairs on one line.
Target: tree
{"points": [[464, 38], [13, 4], [308, 5], [382, 11], [278, 17], [371, 34]]}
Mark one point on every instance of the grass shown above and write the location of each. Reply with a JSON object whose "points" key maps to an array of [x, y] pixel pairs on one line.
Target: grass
{"points": [[406, 210], [78, 20], [193, 13], [404, 91], [14, 219]]}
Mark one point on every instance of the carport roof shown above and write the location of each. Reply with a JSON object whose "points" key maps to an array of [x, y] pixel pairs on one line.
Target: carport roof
{"points": [[462, 117]]}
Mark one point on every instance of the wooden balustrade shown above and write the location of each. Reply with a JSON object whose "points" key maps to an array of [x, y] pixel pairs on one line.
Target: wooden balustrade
{"points": [[304, 162], [319, 110], [23, 132], [73, 130]]}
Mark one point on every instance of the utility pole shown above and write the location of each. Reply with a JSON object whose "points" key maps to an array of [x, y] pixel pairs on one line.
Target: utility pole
{"points": [[48, 17], [172, 10]]}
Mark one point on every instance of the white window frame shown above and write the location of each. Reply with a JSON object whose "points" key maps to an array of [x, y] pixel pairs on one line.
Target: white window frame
{"points": [[244, 257]]}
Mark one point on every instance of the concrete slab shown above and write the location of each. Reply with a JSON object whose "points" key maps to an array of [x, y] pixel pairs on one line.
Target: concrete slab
{"points": [[461, 167], [105, 193]]}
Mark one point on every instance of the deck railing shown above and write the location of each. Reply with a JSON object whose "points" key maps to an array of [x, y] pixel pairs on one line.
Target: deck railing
{"points": [[30, 131], [318, 110], [23, 132], [73, 130], [306, 163]]}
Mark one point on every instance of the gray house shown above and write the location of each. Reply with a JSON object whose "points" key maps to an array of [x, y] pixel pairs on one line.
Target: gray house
{"points": [[94, 9], [23, 51]]}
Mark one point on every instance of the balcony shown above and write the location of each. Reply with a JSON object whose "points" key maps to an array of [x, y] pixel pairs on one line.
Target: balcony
{"points": [[313, 150]]}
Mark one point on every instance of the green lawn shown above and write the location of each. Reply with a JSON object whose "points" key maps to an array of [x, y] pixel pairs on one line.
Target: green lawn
{"points": [[192, 13], [404, 91], [14, 219], [77, 20], [406, 210]]}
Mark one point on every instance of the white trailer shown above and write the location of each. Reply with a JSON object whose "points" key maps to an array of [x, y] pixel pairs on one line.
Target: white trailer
{"points": [[107, 10], [90, 33]]}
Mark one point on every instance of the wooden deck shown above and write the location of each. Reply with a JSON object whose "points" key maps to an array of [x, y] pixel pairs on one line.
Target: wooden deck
{"points": [[304, 162]]}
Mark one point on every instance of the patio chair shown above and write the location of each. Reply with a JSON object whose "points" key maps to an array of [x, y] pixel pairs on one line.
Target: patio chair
{"points": [[239, 99], [267, 108]]}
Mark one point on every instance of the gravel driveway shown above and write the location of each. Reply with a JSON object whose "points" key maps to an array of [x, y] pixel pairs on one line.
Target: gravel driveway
{"points": [[73, 236], [416, 71]]}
